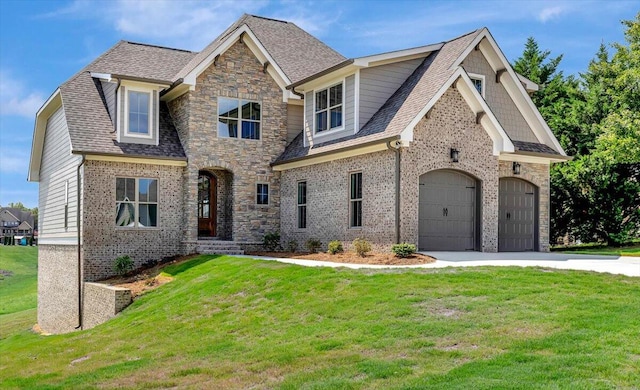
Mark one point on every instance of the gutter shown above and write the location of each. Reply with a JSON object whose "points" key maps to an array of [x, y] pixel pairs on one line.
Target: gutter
{"points": [[321, 73], [396, 150], [80, 276], [172, 87], [333, 151]]}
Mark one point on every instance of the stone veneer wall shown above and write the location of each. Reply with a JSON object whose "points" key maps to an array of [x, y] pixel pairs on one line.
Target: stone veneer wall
{"points": [[538, 175], [328, 187], [238, 74], [103, 242], [452, 124], [57, 288], [102, 302]]}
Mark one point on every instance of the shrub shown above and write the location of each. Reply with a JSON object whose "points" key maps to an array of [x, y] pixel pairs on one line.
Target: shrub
{"points": [[335, 246], [361, 246], [403, 250], [292, 246], [271, 241], [123, 265], [313, 245]]}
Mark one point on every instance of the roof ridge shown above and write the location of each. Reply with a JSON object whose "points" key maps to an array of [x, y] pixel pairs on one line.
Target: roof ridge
{"points": [[266, 18], [158, 46]]}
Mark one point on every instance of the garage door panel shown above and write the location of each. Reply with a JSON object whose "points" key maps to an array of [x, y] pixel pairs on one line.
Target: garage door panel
{"points": [[446, 211], [516, 216]]}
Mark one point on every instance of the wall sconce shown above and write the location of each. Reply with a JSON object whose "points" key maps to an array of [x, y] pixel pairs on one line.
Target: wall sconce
{"points": [[516, 168], [455, 153]]}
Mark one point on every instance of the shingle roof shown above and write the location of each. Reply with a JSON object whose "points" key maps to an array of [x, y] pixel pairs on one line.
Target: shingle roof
{"points": [[91, 128], [522, 146], [20, 215], [400, 109], [295, 51]]}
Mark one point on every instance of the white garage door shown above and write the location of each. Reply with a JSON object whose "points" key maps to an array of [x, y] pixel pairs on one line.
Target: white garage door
{"points": [[447, 211]]}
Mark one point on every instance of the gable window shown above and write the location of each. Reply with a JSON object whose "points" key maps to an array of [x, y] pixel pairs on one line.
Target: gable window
{"points": [[478, 83], [355, 200], [302, 204], [262, 194], [238, 118], [136, 202], [139, 113], [328, 108]]}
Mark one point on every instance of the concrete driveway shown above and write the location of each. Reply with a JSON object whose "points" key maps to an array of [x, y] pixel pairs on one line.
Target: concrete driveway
{"points": [[629, 266]]}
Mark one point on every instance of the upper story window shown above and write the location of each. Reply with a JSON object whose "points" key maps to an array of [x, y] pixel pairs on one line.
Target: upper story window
{"points": [[238, 118], [136, 202], [139, 113], [478, 82], [328, 108]]}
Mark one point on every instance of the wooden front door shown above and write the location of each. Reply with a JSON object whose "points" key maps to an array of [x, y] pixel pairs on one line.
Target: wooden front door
{"points": [[207, 204]]}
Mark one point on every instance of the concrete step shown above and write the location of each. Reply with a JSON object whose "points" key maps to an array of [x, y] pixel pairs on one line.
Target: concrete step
{"points": [[209, 246], [220, 251]]}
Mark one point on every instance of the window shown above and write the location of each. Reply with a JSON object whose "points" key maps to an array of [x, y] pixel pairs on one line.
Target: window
{"points": [[302, 205], [478, 82], [262, 193], [355, 200], [136, 202], [139, 116], [235, 116], [328, 108]]}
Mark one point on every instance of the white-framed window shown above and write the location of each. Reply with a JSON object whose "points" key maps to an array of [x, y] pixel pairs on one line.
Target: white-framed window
{"points": [[136, 202], [138, 113], [328, 108], [302, 205], [478, 82], [262, 194], [355, 200], [239, 118]]}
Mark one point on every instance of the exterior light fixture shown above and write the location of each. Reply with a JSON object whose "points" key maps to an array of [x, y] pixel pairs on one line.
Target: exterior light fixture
{"points": [[455, 153], [516, 168]]}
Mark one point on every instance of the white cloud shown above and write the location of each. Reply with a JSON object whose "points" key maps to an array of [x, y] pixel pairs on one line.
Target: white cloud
{"points": [[13, 161], [16, 99], [549, 13]]}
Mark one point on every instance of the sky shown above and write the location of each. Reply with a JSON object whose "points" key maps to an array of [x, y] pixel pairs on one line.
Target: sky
{"points": [[44, 42]]}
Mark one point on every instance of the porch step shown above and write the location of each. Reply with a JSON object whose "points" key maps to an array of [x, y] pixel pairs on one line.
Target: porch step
{"points": [[210, 247]]}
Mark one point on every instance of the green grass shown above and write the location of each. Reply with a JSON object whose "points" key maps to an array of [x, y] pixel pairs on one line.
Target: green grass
{"points": [[237, 323], [630, 250], [18, 291]]}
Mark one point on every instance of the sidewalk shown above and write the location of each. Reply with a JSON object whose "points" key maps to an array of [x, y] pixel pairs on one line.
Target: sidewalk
{"points": [[629, 266]]}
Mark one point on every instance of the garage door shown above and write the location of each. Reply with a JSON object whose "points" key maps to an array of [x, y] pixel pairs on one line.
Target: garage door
{"points": [[447, 212], [517, 220]]}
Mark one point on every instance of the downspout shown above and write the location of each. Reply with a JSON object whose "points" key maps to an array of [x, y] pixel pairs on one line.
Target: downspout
{"points": [[396, 150], [297, 93], [115, 120], [79, 243]]}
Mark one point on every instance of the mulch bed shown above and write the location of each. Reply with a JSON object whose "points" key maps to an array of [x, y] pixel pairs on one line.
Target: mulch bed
{"points": [[352, 257]]}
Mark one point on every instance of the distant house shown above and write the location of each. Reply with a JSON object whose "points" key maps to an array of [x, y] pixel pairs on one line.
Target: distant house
{"points": [[16, 223], [153, 152]]}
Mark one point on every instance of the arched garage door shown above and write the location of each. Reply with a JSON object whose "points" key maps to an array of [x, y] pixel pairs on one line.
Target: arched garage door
{"points": [[447, 211], [517, 216]]}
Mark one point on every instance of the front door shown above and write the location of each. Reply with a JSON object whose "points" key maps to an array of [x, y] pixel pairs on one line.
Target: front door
{"points": [[207, 204]]}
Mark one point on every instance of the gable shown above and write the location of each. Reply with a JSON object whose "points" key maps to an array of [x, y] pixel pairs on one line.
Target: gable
{"points": [[498, 99]]}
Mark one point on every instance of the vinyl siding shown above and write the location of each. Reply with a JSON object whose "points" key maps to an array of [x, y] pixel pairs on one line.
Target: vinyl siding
{"points": [[57, 167], [295, 118], [109, 90], [499, 100], [377, 84], [349, 103]]}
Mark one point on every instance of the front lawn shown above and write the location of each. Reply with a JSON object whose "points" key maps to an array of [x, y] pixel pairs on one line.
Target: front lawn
{"points": [[594, 249], [229, 323]]}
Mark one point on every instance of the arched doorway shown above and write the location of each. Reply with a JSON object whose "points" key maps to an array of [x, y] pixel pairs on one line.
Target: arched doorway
{"points": [[518, 216], [207, 204], [447, 210]]}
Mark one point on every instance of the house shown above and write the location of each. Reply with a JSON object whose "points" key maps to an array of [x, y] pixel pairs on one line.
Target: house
{"points": [[153, 152], [16, 223]]}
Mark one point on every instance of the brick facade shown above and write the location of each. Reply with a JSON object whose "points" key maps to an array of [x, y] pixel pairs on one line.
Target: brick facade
{"points": [[238, 164], [328, 201], [102, 302], [103, 242]]}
